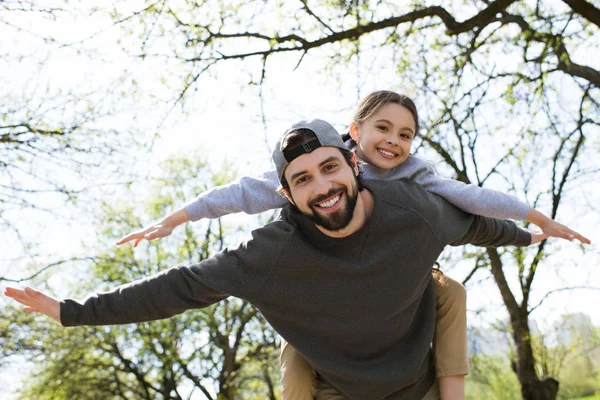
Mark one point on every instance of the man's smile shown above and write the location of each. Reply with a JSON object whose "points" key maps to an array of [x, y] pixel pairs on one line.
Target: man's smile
{"points": [[330, 203]]}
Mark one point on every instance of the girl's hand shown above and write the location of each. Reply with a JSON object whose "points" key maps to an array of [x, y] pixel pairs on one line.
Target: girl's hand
{"points": [[35, 301], [152, 232], [555, 229], [552, 228]]}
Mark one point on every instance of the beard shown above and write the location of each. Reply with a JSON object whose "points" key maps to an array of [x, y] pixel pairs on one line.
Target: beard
{"points": [[339, 219]]}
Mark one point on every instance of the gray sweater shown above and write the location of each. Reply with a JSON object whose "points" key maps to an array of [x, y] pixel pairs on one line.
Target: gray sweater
{"points": [[360, 309], [258, 194]]}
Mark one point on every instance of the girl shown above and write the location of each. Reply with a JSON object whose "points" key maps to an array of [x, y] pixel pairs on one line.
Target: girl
{"points": [[381, 134]]}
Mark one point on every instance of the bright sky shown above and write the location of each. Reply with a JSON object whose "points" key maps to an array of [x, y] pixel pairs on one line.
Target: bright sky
{"points": [[224, 125]]}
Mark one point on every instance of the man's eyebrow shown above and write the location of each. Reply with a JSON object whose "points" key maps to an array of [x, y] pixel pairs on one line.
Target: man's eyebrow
{"points": [[390, 122], [327, 160], [297, 174]]}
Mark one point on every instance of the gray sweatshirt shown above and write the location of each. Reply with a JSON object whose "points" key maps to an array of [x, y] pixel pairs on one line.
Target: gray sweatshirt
{"points": [[360, 309], [253, 195]]}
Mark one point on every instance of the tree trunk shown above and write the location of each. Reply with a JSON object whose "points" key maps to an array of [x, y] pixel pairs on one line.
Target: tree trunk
{"points": [[230, 374], [524, 365], [531, 386]]}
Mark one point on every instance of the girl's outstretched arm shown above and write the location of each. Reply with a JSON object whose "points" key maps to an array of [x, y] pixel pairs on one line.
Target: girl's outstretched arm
{"points": [[160, 229], [478, 200], [251, 195]]}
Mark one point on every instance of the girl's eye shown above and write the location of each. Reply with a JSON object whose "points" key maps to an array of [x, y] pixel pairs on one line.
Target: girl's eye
{"points": [[382, 128]]}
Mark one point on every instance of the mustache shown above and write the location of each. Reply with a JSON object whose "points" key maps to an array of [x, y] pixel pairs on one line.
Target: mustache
{"points": [[323, 197]]}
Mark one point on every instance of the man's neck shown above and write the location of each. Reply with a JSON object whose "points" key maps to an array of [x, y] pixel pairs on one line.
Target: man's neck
{"points": [[362, 212]]}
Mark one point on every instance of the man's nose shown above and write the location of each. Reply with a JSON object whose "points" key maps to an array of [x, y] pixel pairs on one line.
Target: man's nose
{"points": [[322, 185]]}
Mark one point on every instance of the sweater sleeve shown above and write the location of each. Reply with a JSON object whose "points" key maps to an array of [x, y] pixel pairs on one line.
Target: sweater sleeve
{"points": [[455, 227], [251, 195], [470, 198], [240, 272], [490, 232], [160, 296]]}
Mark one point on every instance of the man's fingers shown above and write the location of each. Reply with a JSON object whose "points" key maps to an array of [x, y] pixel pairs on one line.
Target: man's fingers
{"points": [[16, 294], [27, 297], [35, 301], [20, 300], [31, 292]]}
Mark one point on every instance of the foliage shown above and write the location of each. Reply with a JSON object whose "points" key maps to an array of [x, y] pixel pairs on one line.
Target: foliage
{"points": [[226, 351], [491, 378], [508, 93], [55, 147]]}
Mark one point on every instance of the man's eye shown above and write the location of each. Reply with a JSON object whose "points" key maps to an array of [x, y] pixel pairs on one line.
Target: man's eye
{"points": [[301, 180], [330, 167]]}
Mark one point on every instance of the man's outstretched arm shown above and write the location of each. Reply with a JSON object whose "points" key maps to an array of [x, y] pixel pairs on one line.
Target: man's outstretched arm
{"points": [[491, 232], [159, 296]]}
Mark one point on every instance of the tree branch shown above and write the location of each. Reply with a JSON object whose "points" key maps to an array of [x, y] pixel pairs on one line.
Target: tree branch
{"points": [[586, 10], [561, 290]]}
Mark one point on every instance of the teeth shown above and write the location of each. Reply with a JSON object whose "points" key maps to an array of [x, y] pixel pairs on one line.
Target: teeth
{"points": [[330, 203], [386, 153]]}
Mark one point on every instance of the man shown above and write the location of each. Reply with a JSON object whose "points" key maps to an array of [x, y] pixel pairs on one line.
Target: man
{"points": [[344, 275]]}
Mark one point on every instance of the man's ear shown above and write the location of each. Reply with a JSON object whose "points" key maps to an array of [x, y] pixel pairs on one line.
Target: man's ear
{"points": [[287, 195], [354, 132]]}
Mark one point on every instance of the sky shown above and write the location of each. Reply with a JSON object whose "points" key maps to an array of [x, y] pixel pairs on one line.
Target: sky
{"points": [[223, 125]]}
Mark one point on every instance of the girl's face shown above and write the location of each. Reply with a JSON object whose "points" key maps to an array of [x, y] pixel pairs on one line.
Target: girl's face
{"points": [[384, 140]]}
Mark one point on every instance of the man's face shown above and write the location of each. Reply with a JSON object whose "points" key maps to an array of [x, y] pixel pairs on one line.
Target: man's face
{"points": [[323, 187]]}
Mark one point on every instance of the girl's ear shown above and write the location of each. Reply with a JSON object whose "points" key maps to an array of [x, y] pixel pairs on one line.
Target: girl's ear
{"points": [[287, 195], [354, 165], [354, 132]]}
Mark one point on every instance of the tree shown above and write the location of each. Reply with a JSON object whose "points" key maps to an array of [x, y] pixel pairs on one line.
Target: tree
{"points": [[226, 351], [54, 147], [480, 71], [484, 69]]}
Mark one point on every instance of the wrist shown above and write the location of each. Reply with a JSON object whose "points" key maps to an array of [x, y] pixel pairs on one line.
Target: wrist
{"points": [[536, 217], [175, 219]]}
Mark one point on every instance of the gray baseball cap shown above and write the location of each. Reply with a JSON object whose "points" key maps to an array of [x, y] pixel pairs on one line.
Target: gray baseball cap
{"points": [[326, 136]]}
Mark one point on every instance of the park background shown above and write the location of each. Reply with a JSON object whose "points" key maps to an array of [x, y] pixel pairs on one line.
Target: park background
{"points": [[113, 115]]}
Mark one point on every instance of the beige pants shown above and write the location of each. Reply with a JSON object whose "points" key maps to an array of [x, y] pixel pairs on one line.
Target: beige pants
{"points": [[326, 392], [449, 345]]}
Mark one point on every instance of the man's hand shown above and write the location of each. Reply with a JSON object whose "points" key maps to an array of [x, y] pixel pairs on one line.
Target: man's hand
{"points": [[152, 232], [537, 237], [35, 301]]}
